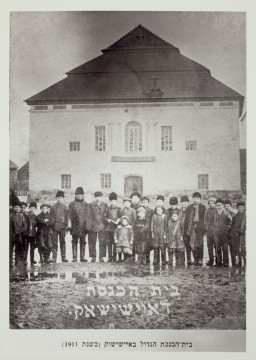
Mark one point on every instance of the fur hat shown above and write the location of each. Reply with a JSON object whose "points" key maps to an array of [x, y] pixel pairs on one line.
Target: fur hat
{"points": [[160, 197], [141, 208], [219, 201], [145, 198], [228, 202], [60, 193], [197, 194], [175, 212], [135, 193], [16, 203], [23, 203], [173, 201], [240, 203], [184, 198], [211, 199], [43, 205], [33, 204], [79, 191], [98, 193], [126, 199], [112, 196]]}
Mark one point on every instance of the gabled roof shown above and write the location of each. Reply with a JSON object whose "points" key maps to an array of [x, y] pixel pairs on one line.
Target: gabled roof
{"points": [[12, 165], [129, 69]]}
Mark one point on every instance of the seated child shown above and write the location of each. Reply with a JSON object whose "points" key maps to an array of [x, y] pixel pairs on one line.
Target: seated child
{"points": [[175, 242], [124, 238], [159, 225], [141, 235]]}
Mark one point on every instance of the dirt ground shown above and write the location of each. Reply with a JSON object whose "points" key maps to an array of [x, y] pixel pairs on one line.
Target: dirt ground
{"points": [[120, 296]]}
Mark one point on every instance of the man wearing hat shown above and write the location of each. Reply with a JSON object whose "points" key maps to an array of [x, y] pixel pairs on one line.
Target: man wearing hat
{"points": [[112, 218], [196, 228], [59, 213], [79, 223], [173, 206], [184, 217], [98, 210], [209, 226]]}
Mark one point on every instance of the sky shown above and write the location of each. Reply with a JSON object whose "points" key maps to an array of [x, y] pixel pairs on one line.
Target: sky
{"points": [[45, 45]]}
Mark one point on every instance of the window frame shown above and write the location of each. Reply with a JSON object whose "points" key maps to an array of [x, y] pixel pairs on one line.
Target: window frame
{"points": [[74, 146], [100, 138], [65, 181], [105, 180], [203, 181], [166, 137], [191, 145], [133, 137]]}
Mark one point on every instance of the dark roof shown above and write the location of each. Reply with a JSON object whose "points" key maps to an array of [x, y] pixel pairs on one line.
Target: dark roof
{"points": [[12, 165], [126, 71]]}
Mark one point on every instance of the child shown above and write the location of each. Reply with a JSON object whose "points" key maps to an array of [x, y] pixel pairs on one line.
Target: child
{"points": [[128, 211], [222, 224], [112, 217], [141, 235], [184, 218], [32, 232], [228, 208], [18, 227], [59, 213], [24, 206], [123, 236], [98, 210], [160, 202], [237, 235], [174, 241], [209, 225], [196, 228], [159, 225], [148, 216], [44, 233], [135, 199], [173, 206]]}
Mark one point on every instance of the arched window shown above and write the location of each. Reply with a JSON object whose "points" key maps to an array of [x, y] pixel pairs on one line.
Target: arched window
{"points": [[133, 137]]}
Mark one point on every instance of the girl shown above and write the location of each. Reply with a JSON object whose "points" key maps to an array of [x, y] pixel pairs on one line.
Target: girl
{"points": [[175, 240], [124, 238], [159, 229]]}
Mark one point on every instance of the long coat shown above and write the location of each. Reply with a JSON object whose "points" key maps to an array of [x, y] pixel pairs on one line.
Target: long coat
{"points": [[79, 215], [44, 231], [59, 212], [196, 229], [97, 216]]}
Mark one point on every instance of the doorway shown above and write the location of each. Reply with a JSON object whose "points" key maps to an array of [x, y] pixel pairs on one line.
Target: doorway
{"points": [[133, 183]]}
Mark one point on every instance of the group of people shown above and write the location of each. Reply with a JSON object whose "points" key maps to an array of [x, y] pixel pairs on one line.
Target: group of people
{"points": [[132, 231]]}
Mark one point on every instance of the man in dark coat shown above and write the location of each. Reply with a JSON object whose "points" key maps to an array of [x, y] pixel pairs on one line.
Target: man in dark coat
{"points": [[196, 228], [112, 218], [59, 212], [45, 233], [18, 227], [184, 218], [98, 211]]}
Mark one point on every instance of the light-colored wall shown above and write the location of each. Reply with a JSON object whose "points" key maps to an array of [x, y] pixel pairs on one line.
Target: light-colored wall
{"points": [[216, 129]]}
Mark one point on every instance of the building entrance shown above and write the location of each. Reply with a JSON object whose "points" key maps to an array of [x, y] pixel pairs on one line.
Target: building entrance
{"points": [[133, 183]]}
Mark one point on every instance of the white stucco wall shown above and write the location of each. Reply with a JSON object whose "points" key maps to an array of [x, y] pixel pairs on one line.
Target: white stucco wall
{"points": [[216, 129]]}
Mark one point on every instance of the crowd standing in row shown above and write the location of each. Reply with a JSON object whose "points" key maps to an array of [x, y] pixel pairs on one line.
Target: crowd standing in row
{"points": [[136, 229]]}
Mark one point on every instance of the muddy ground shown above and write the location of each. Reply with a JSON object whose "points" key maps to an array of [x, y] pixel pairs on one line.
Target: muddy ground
{"points": [[56, 296]]}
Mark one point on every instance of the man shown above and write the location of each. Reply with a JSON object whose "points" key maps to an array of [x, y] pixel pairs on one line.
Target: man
{"points": [[79, 223], [184, 218], [196, 228], [98, 211]]}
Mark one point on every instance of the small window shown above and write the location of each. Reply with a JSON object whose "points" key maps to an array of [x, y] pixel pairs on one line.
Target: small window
{"points": [[74, 145], [105, 180], [203, 181], [166, 138], [100, 138], [133, 137], [191, 145], [66, 181]]}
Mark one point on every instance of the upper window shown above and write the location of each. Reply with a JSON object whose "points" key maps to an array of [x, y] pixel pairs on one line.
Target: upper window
{"points": [[133, 137], [74, 145], [166, 138], [66, 181], [100, 138], [203, 181], [105, 180], [191, 145]]}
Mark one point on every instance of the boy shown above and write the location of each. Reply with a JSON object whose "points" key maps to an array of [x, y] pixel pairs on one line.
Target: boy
{"points": [[128, 211], [135, 199], [159, 226], [228, 208], [237, 235], [141, 235], [59, 213], [196, 228], [174, 240], [78, 223], [173, 206], [45, 233], [124, 238], [24, 206], [222, 224], [112, 217], [209, 226], [32, 232], [148, 216], [98, 227], [184, 217], [18, 227], [160, 202]]}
